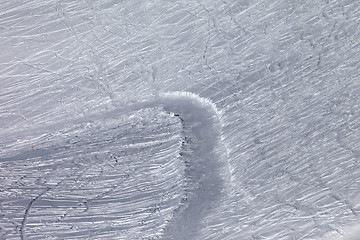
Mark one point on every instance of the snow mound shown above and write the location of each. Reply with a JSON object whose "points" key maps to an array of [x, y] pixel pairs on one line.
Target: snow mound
{"points": [[206, 102]]}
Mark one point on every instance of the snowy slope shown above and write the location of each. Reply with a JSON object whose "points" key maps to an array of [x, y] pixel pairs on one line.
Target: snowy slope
{"points": [[103, 172], [179, 119]]}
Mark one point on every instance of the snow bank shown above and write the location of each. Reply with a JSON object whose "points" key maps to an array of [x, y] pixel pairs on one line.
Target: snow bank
{"points": [[206, 102]]}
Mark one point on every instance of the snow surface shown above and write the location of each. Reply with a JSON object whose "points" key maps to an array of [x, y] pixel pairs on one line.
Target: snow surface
{"points": [[229, 119]]}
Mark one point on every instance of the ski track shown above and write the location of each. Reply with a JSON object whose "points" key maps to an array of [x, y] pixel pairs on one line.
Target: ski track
{"points": [[27, 212]]}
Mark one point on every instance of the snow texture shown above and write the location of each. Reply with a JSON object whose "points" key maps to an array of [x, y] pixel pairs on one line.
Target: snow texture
{"points": [[195, 119]]}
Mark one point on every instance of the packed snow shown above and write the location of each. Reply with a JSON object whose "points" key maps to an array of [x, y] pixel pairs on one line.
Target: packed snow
{"points": [[196, 119]]}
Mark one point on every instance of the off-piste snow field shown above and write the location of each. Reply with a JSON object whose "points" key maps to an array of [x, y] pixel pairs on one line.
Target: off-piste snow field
{"points": [[184, 119]]}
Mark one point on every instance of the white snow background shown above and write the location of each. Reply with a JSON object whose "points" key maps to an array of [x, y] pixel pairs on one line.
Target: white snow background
{"points": [[229, 119]]}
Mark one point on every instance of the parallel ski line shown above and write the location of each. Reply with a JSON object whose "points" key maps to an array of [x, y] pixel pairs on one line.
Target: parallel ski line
{"points": [[27, 212]]}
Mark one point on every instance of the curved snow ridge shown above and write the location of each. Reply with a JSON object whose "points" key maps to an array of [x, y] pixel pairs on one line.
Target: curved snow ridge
{"points": [[217, 116], [206, 102], [205, 158]]}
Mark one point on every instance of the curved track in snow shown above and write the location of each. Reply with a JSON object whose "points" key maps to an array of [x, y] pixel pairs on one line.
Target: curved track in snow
{"points": [[204, 156], [151, 170]]}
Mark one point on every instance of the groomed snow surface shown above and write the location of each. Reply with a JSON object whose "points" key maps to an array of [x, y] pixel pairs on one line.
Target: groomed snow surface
{"points": [[198, 119]]}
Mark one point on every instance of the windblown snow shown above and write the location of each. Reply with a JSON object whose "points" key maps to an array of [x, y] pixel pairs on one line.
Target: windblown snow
{"points": [[193, 119]]}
